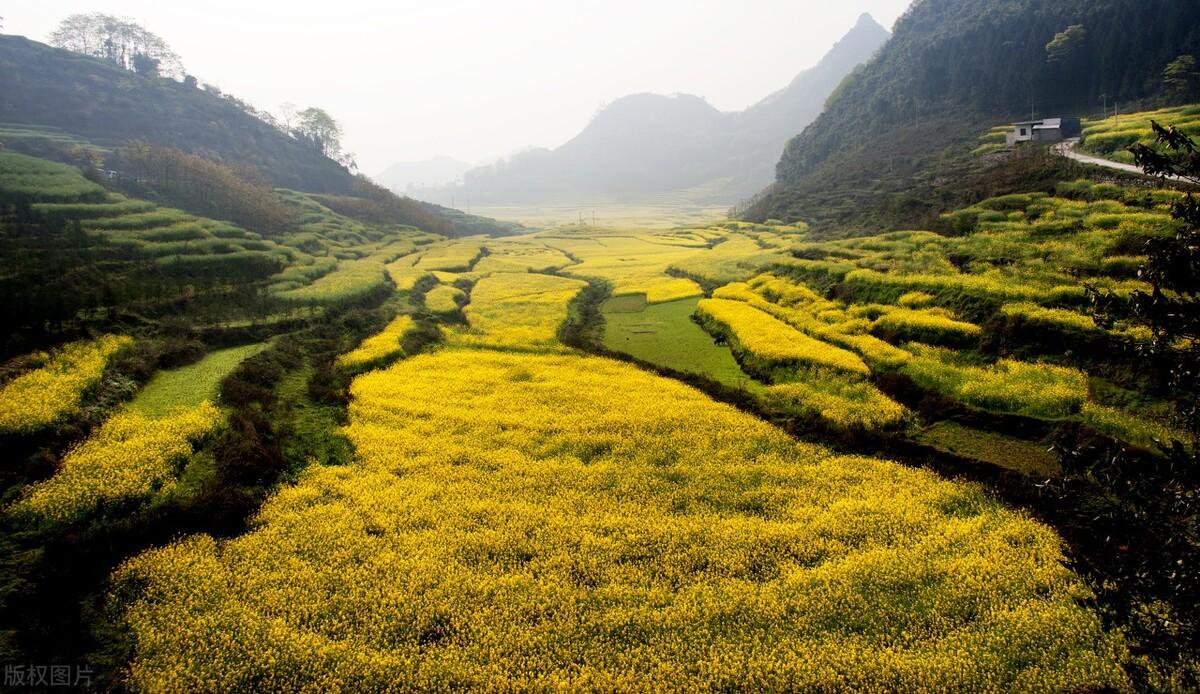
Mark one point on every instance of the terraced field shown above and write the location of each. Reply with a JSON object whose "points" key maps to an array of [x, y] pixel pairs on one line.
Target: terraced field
{"points": [[665, 335], [611, 529], [524, 520], [1111, 137], [497, 508], [58, 383]]}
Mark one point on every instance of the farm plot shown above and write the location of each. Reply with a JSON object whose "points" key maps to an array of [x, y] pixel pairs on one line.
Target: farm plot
{"points": [[379, 349], [518, 310], [630, 263], [665, 335], [140, 450], [189, 386], [1110, 138], [445, 299], [131, 457]]}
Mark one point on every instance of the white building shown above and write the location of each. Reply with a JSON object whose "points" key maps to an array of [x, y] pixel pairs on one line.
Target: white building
{"points": [[1045, 130]]}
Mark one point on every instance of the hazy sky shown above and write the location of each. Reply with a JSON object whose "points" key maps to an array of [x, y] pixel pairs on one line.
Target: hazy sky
{"points": [[478, 79]]}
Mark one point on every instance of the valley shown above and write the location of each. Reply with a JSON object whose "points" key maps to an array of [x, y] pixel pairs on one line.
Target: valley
{"points": [[921, 415]]}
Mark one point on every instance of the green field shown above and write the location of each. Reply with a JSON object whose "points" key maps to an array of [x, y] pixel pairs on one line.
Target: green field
{"points": [[190, 385], [665, 335], [1026, 457]]}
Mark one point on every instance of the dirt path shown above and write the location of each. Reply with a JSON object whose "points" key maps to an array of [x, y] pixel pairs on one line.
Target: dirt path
{"points": [[1070, 150]]}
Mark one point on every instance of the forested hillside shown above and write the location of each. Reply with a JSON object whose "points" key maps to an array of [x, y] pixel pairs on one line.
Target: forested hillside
{"points": [[104, 103], [954, 65], [647, 144]]}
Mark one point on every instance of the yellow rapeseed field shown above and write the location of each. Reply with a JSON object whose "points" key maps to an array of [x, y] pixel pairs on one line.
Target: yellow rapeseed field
{"points": [[512, 309], [444, 299], [632, 263], [775, 342], [451, 256], [846, 403], [46, 395], [520, 522], [508, 255], [1029, 388], [404, 274], [378, 348], [131, 456]]}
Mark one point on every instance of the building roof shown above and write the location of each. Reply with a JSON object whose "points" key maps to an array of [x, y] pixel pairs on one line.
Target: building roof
{"points": [[1043, 124]]}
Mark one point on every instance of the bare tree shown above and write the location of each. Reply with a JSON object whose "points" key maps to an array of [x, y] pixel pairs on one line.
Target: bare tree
{"points": [[119, 41], [287, 116]]}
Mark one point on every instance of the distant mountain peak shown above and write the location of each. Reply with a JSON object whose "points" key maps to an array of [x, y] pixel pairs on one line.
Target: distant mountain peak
{"points": [[866, 20], [647, 144]]}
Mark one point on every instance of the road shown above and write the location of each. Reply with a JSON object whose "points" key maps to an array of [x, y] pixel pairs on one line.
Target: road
{"points": [[1070, 150]]}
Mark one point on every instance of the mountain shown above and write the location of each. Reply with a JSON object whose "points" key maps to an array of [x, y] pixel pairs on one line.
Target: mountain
{"points": [[650, 144], [108, 105], [438, 171], [954, 67]]}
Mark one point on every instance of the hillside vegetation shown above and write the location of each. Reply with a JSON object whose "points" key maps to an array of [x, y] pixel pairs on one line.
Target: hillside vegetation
{"points": [[896, 133]]}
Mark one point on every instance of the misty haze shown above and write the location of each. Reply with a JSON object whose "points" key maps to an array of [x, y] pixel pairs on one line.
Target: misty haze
{"points": [[600, 346]]}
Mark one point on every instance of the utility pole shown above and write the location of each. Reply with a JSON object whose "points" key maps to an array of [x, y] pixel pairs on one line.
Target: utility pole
{"points": [[1104, 98]]}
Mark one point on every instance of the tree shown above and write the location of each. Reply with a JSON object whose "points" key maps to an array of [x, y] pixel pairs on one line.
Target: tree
{"points": [[122, 42], [1066, 43], [319, 129], [1157, 497], [145, 65], [1172, 308], [287, 116], [1181, 78]]}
